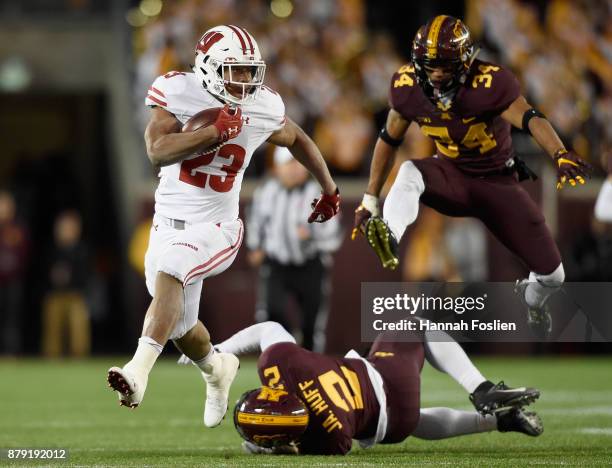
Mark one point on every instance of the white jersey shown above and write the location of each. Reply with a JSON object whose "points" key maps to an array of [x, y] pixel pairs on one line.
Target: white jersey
{"points": [[205, 187]]}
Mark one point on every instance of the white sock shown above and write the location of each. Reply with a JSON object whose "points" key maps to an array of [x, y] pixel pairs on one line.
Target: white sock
{"points": [[206, 364], [441, 423], [146, 354], [445, 354], [603, 205], [256, 338], [402, 204], [541, 287]]}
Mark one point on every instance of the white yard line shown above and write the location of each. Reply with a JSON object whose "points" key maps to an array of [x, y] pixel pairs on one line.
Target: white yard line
{"points": [[595, 430], [75, 424], [578, 411]]}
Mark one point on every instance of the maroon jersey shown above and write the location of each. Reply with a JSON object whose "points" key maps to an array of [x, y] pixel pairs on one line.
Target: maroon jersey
{"points": [[337, 392], [469, 131]]}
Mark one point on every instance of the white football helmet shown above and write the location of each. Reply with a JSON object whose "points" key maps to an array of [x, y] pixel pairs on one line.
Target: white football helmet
{"points": [[219, 52]]}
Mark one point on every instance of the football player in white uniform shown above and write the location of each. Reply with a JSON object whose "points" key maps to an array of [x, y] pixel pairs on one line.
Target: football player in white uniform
{"points": [[196, 231]]}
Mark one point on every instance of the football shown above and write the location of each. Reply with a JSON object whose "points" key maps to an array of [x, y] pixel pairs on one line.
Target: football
{"points": [[201, 119], [269, 417]]}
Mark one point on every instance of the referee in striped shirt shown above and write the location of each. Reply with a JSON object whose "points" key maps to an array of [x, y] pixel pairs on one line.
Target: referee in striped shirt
{"points": [[294, 257]]}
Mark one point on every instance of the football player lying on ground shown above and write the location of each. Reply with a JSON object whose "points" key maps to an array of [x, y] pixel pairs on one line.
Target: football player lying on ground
{"points": [[467, 106], [376, 399]]}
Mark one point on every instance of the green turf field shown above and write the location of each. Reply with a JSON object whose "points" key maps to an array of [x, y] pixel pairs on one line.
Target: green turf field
{"points": [[67, 404]]}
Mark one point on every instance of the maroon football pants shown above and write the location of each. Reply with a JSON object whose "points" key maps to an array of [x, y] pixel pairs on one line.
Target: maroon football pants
{"points": [[399, 364], [500, 202]]}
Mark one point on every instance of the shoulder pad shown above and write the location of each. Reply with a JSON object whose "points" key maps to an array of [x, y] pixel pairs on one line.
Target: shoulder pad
{"points": [[271, 108], [403, 83], [164, 86], [496, 86]]}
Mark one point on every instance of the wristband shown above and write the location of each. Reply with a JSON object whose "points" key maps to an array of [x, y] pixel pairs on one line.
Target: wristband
{"points": [[370, 203]]}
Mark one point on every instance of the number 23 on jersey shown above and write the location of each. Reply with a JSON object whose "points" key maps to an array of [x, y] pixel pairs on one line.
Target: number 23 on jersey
{"points": [[190, 174]]}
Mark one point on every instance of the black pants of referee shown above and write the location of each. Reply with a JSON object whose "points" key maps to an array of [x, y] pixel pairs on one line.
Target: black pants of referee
{"points": [[307, 283]]}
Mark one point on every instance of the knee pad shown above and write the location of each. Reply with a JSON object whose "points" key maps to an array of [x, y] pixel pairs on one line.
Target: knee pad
{"points": [[551, 280], [410, 176]]}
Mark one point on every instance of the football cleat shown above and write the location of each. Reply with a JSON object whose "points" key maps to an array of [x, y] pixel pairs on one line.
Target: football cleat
{"points": [[492, 399], [517, 420], [383, 242], [218, 385], [539, 319], [129, 388]]}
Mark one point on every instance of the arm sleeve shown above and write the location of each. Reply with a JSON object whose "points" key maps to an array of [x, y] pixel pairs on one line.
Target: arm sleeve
{"points": [[256, 338]]}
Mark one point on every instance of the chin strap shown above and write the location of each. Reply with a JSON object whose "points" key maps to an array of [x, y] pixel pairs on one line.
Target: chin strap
{"points": [[473, 57]]}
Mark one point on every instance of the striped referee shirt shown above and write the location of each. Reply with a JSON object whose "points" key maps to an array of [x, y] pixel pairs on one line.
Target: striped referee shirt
{"points": [[276, 216]]}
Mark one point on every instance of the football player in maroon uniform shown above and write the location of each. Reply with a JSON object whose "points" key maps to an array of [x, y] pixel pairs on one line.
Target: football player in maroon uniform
{"points": [[373, 400], [467, 106]]}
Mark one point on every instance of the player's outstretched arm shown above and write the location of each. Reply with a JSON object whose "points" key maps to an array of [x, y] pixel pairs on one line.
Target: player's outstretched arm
{"points": [[570, 167], [383, 158], [166, 145], [385, 150], [306, 152]]}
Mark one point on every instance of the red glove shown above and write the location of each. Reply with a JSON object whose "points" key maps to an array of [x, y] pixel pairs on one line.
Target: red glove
{"points": [[228, 123], [570, 168], [325, 208]]}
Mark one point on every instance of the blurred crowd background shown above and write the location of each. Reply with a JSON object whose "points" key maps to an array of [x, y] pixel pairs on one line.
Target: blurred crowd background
{"points": [[76, 188]]}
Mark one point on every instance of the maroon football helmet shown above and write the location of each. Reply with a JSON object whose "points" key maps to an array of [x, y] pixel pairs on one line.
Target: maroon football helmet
{"points": [[442, 42], [270, 417]]}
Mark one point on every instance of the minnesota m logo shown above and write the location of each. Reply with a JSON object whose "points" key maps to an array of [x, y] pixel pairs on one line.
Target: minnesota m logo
{"points": [[271, 394]]}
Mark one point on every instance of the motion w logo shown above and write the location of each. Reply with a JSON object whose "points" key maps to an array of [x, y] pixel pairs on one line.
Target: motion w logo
{"points": [[208, 40]]}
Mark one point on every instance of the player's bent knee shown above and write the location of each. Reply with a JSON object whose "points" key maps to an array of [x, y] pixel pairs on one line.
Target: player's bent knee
{"points": [[603, 213], [167, 286], [172, 265], [409, 176], [168, 278], [274, 327], [553, 279], [603, 205]]}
